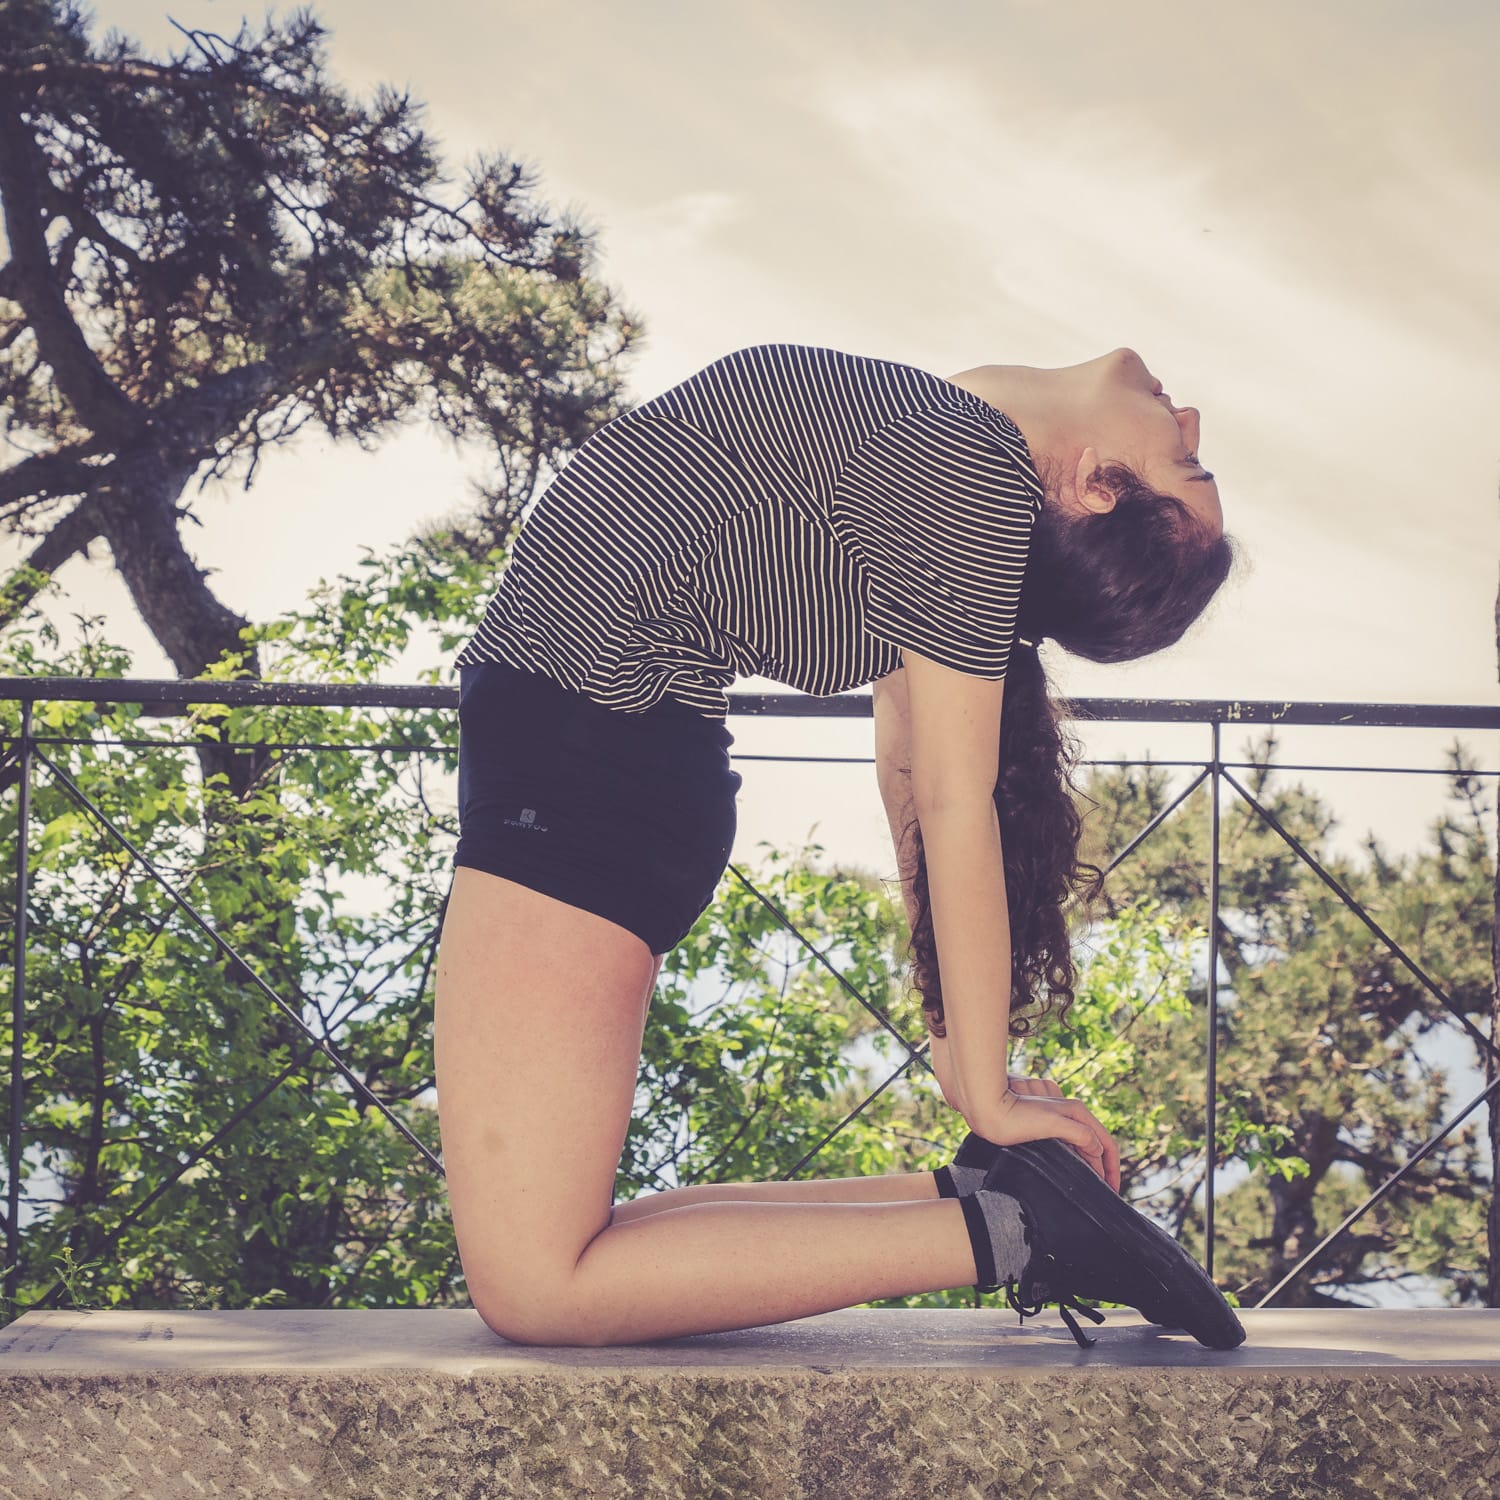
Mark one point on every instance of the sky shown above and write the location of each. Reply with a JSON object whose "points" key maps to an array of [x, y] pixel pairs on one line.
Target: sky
{"points": [[1290, 211]]}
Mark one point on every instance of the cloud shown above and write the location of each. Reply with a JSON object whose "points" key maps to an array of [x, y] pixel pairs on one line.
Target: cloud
{"points": [[1091, 239]]}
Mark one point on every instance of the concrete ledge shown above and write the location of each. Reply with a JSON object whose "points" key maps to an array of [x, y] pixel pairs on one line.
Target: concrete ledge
{"points": [[852, 1405]]}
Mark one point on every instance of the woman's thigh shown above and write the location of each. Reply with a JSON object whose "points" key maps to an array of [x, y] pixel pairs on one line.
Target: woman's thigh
{"points": [[540, 1011]]}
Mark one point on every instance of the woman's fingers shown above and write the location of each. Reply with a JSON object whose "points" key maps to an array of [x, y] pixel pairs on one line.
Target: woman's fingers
{"points": [[1101, 1152], [1070, 1121], [1097, 1147]]}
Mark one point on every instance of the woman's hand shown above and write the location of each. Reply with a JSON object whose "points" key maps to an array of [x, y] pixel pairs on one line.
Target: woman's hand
{"points": [[1093, 1143], [1035, 1109]]}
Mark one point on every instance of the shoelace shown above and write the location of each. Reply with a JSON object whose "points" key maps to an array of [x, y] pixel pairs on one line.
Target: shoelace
{"points": [[1042, 1293], [1042, 1288]]}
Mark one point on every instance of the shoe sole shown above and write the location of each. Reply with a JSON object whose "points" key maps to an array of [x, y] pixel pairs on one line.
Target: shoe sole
{"points": [[1183, 1283]]}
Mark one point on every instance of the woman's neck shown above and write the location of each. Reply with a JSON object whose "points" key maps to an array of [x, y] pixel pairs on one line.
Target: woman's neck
{"points": [[1037, 401]]}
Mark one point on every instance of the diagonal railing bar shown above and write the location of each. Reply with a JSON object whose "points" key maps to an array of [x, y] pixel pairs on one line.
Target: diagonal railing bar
{"points": [[822, 958], [320, 1044], [1353, 904], [1427, 1147], [1153, 825], [436, 940], [201, 1153], [853, 1114]]}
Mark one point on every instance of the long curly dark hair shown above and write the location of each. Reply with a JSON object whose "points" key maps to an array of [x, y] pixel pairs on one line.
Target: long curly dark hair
{"points": [[1111, 587]]}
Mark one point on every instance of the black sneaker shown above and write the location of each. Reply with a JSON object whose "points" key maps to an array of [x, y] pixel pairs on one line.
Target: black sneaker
{"points": [[1087, 1241], [977, 1153]]}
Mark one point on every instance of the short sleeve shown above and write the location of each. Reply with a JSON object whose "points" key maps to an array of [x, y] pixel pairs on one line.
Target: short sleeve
{"points": [[936, 509]]}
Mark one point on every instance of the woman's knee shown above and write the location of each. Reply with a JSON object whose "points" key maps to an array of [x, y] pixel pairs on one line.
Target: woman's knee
{"points": [[549, 1310]]}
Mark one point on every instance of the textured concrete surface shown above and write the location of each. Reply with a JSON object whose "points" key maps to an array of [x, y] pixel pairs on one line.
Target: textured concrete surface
{"points": [[861, 1403]]}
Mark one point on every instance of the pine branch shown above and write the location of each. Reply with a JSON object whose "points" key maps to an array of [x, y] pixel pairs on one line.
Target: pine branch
{"points": [[99, 404]]}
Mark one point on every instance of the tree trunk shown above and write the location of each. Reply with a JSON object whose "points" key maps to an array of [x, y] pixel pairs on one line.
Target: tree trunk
{"points": [[1294, 1222], [139, 521]]}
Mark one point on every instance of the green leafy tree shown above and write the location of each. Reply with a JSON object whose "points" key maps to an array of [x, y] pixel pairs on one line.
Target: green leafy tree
{"points": [[759, 1062], [209, 252], [1319, 1049]]}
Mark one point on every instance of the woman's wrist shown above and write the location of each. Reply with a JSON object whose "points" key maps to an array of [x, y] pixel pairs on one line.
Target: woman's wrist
{"points": [[984, 1083]]}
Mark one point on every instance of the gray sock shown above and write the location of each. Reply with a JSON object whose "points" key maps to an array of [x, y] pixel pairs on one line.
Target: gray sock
{"points": [[996, 1236], [967, 1179], [965, 1174]]}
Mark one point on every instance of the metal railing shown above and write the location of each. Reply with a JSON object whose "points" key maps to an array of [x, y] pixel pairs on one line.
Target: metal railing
{"points": [[22, 752]]}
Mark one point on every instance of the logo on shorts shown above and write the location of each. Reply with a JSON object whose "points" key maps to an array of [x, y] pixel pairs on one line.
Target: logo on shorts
{"points": [[526, 820]]}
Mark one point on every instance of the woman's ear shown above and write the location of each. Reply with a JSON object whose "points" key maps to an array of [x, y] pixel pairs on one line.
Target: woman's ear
{"points": [[1085, 495]]}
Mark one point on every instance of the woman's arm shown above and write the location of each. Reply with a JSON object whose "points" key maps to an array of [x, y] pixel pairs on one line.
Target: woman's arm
{"points": [[951, 724], [971, 930], [966, 877], [893, 772], [953, 732], [895, 792]]}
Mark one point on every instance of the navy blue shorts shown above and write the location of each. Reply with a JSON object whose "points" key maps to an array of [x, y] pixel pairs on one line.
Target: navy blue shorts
{"points": [[631, 816]]}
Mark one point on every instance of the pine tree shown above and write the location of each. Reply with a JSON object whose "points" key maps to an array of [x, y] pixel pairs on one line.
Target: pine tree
{"points": [[209, 252]]}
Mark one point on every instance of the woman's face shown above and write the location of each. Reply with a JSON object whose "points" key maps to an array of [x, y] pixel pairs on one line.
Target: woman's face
{"points": [[1134, 420]]}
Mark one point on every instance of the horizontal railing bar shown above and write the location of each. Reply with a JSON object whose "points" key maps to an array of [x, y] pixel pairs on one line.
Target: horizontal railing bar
{"points": [[1234, 765], [175, 694], [836, 760]]}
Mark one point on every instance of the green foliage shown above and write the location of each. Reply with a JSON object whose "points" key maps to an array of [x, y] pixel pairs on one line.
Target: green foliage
{"points": [[1322, 1091], [146, 1039], [226, 244], [146, 1043]]}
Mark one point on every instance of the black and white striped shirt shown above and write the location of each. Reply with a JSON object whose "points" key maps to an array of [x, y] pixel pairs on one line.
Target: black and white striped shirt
{"points": [[792, 512]]}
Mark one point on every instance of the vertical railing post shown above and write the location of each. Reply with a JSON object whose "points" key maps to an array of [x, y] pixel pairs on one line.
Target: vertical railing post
{"points": [[17, 1028], [1213, 995]]}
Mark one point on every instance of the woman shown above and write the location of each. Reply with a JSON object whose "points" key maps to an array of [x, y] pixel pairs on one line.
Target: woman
{"points": [[826, 520]]}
